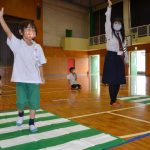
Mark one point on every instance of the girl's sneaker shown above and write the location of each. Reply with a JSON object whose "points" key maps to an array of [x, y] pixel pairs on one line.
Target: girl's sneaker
{"points": [[19, 121], [33, 129]]}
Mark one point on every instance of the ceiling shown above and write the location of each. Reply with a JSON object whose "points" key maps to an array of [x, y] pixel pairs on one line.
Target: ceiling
{"points": [[87, 3]]}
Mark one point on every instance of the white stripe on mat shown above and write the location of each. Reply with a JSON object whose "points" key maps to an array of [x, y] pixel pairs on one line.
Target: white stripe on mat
{"points": [[40, 136], [38, 124], [25, 117], [126, 98], [73, 145], [15, 112], [141, 100], [83, 143]]}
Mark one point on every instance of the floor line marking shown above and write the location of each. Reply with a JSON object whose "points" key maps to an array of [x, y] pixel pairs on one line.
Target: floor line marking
{"points": [[133, 135], [10, 86], [132, 118], [6, 91], [8, 95], [56, 100], [92, 114], [82, 116], [80, 98], [40, 92], [54, 91]]}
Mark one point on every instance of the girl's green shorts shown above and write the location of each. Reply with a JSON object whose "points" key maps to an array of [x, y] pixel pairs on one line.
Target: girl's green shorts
{"points": [[28, 94]]}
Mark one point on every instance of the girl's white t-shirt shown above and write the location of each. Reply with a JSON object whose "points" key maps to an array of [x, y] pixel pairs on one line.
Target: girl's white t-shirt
{"points": [[27, 59]]}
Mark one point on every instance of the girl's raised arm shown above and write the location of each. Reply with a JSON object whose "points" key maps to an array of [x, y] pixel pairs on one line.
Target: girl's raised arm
{"points": [[4, 25]]}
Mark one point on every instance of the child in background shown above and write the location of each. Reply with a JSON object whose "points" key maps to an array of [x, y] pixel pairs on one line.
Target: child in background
{"points": [[27, 69], [72, 78]]}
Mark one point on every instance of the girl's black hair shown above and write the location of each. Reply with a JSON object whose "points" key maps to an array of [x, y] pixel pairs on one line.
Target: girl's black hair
{"points": [[0, 77], [72, 68], [23, 25], [122, 31]]}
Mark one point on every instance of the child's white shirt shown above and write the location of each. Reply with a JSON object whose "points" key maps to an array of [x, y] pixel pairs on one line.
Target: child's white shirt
{"points": [[72, 79], [27, 59]]}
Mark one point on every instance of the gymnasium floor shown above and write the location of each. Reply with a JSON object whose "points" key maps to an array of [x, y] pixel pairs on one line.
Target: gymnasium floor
{"points": [[90, 107]]}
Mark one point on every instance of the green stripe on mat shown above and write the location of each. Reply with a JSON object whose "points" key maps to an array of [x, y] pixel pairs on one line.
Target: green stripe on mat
{"points": [[130, 99], [55, 141], [146, 102], [134, 96], [9, 124], [41, 129]]}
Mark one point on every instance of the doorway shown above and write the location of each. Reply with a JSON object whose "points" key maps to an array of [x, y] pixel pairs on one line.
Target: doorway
{"points": [[94, 64], [70, 63], [95, 73], [141, 62], [137, 63]]}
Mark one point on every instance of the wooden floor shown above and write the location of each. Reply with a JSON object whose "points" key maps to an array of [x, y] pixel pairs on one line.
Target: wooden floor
{"points": [[90, 106]]}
